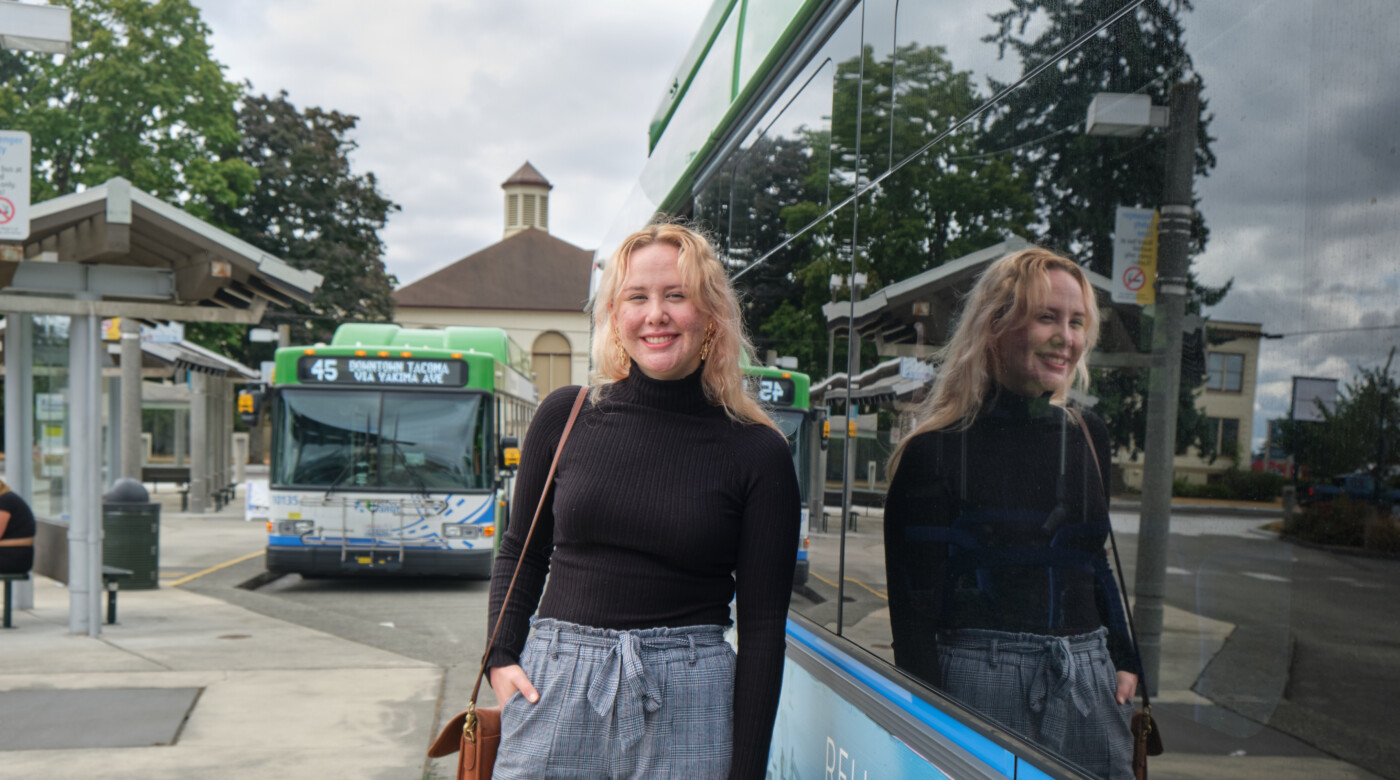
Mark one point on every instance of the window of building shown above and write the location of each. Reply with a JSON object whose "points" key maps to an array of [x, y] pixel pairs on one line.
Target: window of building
{"points": [[1225, 371], [529, 220], [512, 210], [551, 360]]}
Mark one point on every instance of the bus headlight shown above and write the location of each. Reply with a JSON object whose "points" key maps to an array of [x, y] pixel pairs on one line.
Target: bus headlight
{"points": [[295, 527], [460, 531]]}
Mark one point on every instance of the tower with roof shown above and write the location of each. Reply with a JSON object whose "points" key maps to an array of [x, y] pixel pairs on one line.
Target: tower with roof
{"points": [[530, 283]]}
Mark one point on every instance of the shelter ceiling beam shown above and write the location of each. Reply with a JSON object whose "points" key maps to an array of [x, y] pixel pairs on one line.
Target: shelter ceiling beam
{"points": [[23, 304], [202, 277], [118, 281]]}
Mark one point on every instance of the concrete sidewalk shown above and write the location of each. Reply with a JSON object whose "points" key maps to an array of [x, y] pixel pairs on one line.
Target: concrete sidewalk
{"points": [[267, 698], [218, 691]]}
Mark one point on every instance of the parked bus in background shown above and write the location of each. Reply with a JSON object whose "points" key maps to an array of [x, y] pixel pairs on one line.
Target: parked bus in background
{"points": [[392, 450], [786, 394]]}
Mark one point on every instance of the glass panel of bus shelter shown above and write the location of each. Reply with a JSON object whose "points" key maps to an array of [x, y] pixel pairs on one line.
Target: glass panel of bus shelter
{"points": [[49, 349], [1296, 187], [434, 442], [329, 439]]}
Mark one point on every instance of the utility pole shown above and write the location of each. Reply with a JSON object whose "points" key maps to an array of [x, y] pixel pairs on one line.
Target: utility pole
{"points": [[1174, 235]]}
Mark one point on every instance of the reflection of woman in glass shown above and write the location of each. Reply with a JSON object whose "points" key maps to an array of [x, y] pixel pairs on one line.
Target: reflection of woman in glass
{"points": [[674, 494], [996, 520]]}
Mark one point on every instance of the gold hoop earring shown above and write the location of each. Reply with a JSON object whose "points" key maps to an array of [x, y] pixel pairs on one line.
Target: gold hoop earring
{"points": [[709, 340]]}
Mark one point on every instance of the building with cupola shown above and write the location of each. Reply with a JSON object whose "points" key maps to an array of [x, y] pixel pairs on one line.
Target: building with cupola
{"points": [[531, 284]]}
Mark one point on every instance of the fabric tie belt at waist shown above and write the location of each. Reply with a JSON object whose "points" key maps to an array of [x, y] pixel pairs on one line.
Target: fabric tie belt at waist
{"points": [[1057, 682], [622, 687]]}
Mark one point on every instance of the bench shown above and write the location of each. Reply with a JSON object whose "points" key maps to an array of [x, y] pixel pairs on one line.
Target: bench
{"points": [[9, 578], [174, 475], [111, 579], [51, 560]]}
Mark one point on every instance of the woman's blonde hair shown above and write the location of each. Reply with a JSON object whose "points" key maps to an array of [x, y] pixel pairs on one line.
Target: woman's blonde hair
{"points": [[1009, 293], [4, 487], [708, 286]]}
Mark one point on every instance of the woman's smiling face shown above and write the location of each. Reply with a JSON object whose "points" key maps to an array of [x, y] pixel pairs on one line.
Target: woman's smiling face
{"points": [[656, 318], [1040, 356]]}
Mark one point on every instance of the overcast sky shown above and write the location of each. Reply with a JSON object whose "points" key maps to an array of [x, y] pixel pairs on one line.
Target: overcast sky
{"points": [[1304, 206], [454, 96]]}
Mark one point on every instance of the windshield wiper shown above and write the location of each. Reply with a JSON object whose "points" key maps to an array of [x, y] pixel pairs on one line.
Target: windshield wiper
{"points": [[403, 458], [349, 463]]}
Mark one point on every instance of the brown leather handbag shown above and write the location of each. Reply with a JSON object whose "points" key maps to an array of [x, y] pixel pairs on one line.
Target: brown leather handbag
{"points": [[476, 731], [1147, 740]]}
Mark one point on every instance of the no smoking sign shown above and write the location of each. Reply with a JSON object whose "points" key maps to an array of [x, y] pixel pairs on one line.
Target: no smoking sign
{"points": [[1134, 278]]}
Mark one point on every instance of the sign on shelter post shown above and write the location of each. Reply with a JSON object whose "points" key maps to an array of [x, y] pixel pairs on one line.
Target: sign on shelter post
{"points": [[14, 185], [1134, 256]]}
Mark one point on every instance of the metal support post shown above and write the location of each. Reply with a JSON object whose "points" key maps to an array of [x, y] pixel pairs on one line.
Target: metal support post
{"points": [[19, 423], [131, 450], [1174, 235], [85, 472], [199, 442]]}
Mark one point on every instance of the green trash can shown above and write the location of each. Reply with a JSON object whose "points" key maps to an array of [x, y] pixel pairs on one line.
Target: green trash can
{"points": [[131, 533]]}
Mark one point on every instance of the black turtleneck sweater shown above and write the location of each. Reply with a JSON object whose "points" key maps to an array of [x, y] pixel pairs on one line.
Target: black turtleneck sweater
{"points": [[1019, 498], [660, 503]]}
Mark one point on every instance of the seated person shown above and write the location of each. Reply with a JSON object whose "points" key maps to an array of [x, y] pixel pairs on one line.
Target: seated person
{"points": [[16, 533]]}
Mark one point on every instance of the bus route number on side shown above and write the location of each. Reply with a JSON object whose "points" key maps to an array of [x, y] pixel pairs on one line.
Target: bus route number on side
{"points": [[778, 392]]}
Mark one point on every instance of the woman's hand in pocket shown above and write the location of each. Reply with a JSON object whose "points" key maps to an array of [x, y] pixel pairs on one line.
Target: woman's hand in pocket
{"points": [[506, 680], [1127, 687]]}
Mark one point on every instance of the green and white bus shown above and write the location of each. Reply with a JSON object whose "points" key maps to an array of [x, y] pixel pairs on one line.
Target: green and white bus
{"points": [[787, 394], [390, 450]]}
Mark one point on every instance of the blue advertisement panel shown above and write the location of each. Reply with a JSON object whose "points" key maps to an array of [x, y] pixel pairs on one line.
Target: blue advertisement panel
{"points": [[821, 736]]}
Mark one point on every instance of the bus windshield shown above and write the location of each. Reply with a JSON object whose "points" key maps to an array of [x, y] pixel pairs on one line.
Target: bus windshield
{"points": [[382, 440]]}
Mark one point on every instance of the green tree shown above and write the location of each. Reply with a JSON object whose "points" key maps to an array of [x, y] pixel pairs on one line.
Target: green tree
{"points": [[939, 205], [1361, 432], [140, 97], [312, 210]]}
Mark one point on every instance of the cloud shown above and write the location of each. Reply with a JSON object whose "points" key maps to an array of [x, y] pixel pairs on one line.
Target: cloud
{"points": [[453, 97]]}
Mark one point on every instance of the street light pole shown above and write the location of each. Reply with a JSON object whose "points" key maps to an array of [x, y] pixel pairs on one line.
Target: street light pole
{"points": [[1159, 450]]}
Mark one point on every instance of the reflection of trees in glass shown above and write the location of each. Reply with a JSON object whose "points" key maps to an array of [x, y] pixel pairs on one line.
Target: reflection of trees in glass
{"points": [[947, 202], [1362, 432], [1078, 181]]}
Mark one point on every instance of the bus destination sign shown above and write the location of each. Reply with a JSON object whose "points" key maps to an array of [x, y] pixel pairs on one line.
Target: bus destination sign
{"points": [[317, 369]]}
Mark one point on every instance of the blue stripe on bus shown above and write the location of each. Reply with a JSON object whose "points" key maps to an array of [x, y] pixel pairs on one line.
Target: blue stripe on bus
{"points": [[331, 541], [983, 749]]}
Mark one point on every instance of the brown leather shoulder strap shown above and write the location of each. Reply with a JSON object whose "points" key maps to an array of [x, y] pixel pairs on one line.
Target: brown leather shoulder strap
{"points": [[544, 493]]}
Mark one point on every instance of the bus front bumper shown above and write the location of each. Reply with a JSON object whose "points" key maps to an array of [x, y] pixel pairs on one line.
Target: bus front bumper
{"points": [[335, 561]]}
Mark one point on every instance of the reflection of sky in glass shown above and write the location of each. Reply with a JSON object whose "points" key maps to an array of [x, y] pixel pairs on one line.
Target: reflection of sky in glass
{"points": [[1304, 205]]}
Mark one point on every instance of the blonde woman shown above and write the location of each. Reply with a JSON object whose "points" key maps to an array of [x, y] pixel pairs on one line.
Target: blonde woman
{"points": [[16, 532], [996, 522], [674, 484]]}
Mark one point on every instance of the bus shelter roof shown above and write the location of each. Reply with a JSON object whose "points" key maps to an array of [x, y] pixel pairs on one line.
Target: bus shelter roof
{"points": [[915, 316], [117, 251], [188, 356]]}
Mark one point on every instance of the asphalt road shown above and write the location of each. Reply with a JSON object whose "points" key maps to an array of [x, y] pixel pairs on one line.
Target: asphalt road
{"points": [[1311, 664]]}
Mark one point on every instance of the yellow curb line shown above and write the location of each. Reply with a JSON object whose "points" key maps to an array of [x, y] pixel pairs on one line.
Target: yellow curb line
{"points": [[852, 580], [213, 569]]}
